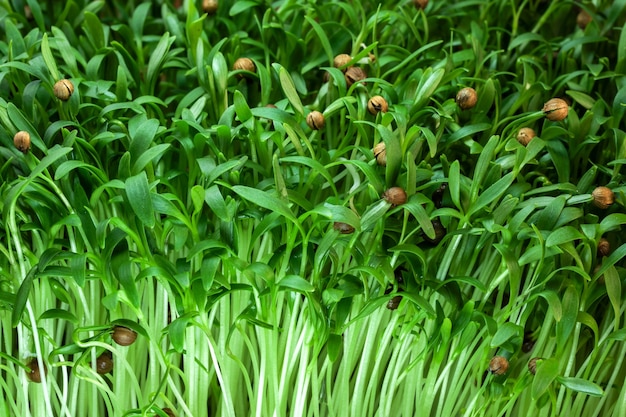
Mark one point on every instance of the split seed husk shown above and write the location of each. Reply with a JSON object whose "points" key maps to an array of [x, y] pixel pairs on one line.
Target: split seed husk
{"points": [[555, 109], [315, 120], [63, 89], [604, 247], [380, 153], [354, 74], [343, 228], [532, 365], [377, 104]]}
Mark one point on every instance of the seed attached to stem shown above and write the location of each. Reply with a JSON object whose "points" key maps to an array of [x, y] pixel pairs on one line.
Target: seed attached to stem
{"points": [[315, 120], [583, 19], [21, 140], [555, 109], [466, 98], [380, 153], [63, 89], [440, 232], [124, 336], [34, 375], [394, 302], [245, 64], [525, 135], [377, 104], [104, 363], [498, 365], [209, 6], [420, 4], [532, 365], [341, 61], [604, 247], [395, 196], [603, 197], [343, 228], [354, 74]]}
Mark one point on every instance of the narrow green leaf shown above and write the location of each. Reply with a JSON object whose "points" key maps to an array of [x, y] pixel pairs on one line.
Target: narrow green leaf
{"points": [[507, 332], [563, 235], [289, 89], [138, 193], [157, 58], [296, 283], [614, 291], [94, 30], [22, 296], [492, 193], [484, 160], [153, 154], [581, 385], [48, 58], [265, 200], [454, 183]]}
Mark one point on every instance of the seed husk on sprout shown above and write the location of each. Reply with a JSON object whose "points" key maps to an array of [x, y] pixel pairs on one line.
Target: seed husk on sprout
{"points": [[354, 74], [341, 60], [104, 363], [244, 64], [555, 109], [343, 228], [315, 120], [420, 4], [396, 196], [532, 365], [34, 373], [498, 365], [209, 6], [21, 140], [377, 104], [603, 197], [525, 135], [604, 247], [380, 153], [466, 98], [583, 19], [63, 89], [124, 336], [394, 302]]}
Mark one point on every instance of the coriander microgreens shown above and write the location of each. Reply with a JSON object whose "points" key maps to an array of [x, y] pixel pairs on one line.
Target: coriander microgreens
{"points": [[259, 260]]}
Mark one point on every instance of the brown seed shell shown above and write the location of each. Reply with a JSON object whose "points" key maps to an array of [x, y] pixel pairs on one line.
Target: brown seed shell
{"points": [[380, 153], [104, 363], [466, 98], [34, 373], [341, 60], [604, 247], [169, 412], [354, 74], [603, 197], [343, 228], [63, 89], [396, 196], [498, 365], [420, 4], [244, 64], [532, 365], [124, 336], [209, 6], [440, 232], [583, 19], [556, 109], [377, 104], [394, 302], [525, 135], [21, 140], [315, 120]]}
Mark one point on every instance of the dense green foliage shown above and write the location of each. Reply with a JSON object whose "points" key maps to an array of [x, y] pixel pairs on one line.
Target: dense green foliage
{"points": [[261, 262]]}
